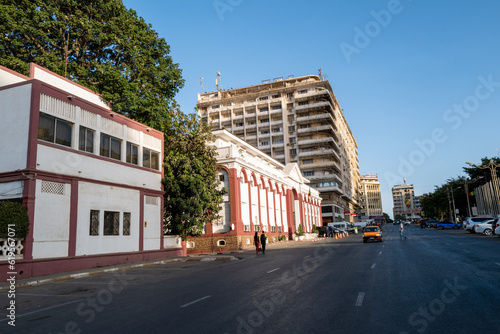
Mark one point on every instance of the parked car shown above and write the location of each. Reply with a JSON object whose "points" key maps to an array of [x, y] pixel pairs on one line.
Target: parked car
{"points": [[471, 221], [431, 223], [447, 224], [497, 228], [372, 233], [485, 227]]}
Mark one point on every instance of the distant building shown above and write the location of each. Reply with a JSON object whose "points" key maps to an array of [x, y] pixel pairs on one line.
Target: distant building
{"points": [[296, 120], [91, 179], [370, 198], [263, 195], [406, 204]]}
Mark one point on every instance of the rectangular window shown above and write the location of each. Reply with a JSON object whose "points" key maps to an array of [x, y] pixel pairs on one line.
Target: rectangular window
{"points": [[264, 132], [276, 107], [293, 151], [263, 98], [111, 223], [54, 130], [110, 147], [302, 91], [289, 95], [278, 141], [309, 173], [265, 120], [132, 154], [307, 161], [264, 143], [86, 140], [94, 222], [305, 103], [150, 159], [263, 109], [305, 126], [126, 223]]}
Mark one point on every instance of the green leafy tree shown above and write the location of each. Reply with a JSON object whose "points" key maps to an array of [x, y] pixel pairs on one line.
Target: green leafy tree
{"points": [[14, 220], [192, 194], [101, 45]]}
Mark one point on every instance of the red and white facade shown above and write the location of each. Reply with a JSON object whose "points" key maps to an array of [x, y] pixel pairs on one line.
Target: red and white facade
{"points": [[91, 179], [263, 195]]}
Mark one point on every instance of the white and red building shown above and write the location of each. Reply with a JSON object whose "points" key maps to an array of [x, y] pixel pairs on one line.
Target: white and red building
{"points": [[262, 195], [90, 178]]}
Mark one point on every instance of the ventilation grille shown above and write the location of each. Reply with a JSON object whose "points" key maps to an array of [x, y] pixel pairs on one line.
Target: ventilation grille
{"points": [[55, 106], [53, 188]]}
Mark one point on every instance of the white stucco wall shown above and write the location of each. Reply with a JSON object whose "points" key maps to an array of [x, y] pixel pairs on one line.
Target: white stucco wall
{"points": [[152, 230], [51, 222], [105, 198], [12, 189], [70, 163], [14, 125]]}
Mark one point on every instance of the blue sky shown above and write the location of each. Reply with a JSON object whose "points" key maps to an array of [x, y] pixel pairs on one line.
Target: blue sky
{"points": [[418, 80]]}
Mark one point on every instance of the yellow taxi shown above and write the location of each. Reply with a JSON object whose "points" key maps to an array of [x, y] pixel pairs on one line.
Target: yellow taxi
{"points": [[372, 233]]}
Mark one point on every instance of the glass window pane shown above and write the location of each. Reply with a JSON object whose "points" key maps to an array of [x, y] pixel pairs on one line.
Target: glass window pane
{"points": [[111, 223], [146, 158], [46, 128], [63, 133], [116, 149], [126, 223], [94, 222], [104, 145], [89, 141], [155, 160], [81, 138], [135, 155]]}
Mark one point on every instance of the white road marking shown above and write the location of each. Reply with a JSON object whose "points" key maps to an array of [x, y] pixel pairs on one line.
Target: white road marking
{"points": [[195, 301], [373, 265], [44, 309], [270, 271], [359, 301]]}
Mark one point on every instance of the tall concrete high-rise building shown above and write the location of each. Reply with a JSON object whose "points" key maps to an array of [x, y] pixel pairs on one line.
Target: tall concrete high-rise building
{"points": [[371, 198], [294, 120], [406, 204]]}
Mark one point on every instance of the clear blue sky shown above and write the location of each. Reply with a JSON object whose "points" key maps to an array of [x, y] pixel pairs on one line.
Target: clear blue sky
{"points": [[418, 80]]}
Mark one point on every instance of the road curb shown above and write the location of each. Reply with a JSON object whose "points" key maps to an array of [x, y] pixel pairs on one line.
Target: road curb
{"points": [[89, 272]]}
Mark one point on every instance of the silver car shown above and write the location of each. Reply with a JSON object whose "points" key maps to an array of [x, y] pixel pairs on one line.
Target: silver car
{"points": [[485, 227], [471, 221]]}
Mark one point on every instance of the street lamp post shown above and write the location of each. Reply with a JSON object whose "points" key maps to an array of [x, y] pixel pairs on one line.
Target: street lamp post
{"points": [[453, 199], [492, 166]]}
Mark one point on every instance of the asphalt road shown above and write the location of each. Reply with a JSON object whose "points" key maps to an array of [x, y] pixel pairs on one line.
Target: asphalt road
{"points": [[434, 282]]}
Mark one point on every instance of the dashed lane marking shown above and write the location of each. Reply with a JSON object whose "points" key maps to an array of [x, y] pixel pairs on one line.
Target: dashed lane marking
{"points": [[195, 301], [359, 301]]}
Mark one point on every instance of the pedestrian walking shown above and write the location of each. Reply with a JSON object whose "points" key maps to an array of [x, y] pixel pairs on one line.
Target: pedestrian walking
{"points": [[401, 230], [256, 242], [263, 239]]}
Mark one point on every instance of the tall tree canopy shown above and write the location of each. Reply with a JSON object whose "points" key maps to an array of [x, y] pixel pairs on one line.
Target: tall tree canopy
{"points": [[192, 193], [99, 44], [109, 49]]}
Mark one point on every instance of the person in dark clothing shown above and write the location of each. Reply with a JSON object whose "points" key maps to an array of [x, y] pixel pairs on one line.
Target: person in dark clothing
{"points": [[256, 242], [263, 239]]}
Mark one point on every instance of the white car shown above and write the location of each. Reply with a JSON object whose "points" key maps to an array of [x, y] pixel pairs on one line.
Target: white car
{"points": [[471, 221], [497, 228], [485, 227]]}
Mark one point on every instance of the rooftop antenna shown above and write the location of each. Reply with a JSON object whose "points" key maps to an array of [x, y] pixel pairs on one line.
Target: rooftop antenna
{"points": [[217, 81], [320, 74], [202, 85]]}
